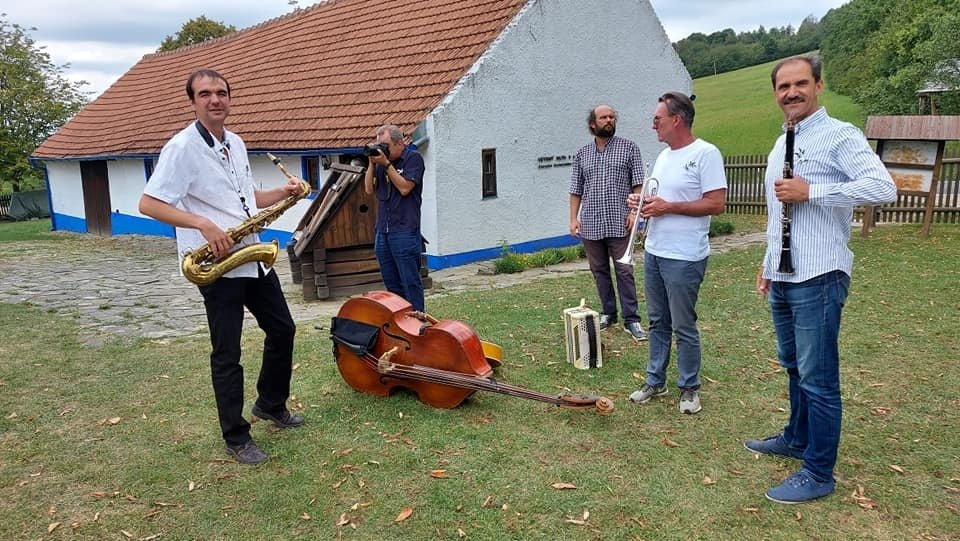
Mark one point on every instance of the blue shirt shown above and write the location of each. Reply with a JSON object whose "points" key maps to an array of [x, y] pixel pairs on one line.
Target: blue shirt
{"points": [[843, 171], [397, 212]]}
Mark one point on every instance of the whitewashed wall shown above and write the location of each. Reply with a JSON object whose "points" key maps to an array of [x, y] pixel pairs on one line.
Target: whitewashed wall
{"points": [[127, 179], [528, 98], [66, 188]]}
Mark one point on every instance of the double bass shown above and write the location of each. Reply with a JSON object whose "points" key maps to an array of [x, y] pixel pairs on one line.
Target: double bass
{"points": [[381, 344]]}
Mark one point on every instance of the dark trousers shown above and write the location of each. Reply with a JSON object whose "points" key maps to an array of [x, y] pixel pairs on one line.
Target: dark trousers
{"points": [[599, 254], [224, 301]]}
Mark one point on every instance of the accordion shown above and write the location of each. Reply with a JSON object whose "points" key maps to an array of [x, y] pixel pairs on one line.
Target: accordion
{"points": [[581, 329]]}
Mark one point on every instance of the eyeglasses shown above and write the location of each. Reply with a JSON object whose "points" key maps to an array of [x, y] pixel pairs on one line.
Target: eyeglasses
{"points": [[657, 119]]}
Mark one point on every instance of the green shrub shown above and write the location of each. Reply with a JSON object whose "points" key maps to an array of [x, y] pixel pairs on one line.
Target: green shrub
{"points": [[508, 262], [720, 227]]}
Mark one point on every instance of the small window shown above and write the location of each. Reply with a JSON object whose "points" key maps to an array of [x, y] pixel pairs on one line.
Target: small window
{"points": [[311, 170], [488, 158]]}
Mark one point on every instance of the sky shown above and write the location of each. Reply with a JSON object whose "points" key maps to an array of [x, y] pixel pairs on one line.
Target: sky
{"points": [[102, 39]]}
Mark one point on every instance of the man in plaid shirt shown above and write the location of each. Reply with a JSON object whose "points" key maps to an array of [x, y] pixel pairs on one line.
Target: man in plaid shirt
{"points": [[604, 173]]}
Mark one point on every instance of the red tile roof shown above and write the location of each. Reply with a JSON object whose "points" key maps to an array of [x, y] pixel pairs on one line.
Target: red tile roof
{"points": [[320, 77]]}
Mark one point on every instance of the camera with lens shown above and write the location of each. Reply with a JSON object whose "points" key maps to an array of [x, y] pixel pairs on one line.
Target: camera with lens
{"points": [[376, 148]]}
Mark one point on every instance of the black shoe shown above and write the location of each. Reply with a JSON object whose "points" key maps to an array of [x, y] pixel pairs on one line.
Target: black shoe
{"points": [[607, 320], [283, 420], [247, 453]]}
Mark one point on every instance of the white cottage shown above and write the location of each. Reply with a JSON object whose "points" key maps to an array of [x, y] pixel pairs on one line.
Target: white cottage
{"points": [[494, 93]]}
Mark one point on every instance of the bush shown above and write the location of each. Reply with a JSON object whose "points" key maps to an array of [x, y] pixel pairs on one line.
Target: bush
{"points": [[510, 262], [720, 227]]}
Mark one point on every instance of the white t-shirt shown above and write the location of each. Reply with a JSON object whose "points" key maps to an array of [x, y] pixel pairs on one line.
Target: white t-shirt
{"points": [[685, 174], [203, 180]]}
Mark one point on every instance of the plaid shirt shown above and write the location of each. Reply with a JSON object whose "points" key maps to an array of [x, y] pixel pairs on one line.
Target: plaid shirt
{"points": [[603, 180]]}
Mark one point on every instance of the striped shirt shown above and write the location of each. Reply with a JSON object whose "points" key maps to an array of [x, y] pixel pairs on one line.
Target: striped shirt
{"points": [[603, 180], [842, 171]]}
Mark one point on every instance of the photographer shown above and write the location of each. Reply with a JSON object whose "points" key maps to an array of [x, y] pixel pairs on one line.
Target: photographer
{"points": [[395, 172]]}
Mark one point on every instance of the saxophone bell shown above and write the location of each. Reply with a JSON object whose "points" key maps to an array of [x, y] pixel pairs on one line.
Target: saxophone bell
{"points": [[201, 267]]}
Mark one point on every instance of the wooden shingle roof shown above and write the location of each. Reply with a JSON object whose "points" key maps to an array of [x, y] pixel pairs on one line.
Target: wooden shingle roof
{"points": [[323, 77]]}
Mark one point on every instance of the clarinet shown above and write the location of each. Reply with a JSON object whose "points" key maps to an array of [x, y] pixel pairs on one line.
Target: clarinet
{"points": [[786, 212]]}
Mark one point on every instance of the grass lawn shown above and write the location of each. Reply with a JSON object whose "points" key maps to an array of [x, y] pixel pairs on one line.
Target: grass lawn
{"points": [[121, 441], [736, 111]]}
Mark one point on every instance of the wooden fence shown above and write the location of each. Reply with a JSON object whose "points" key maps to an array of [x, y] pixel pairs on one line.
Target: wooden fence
{"points": [[5, 205], [745, 193]]}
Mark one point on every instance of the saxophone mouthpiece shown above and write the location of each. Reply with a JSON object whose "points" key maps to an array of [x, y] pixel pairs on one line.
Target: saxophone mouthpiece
{"points": [[274, 159]]}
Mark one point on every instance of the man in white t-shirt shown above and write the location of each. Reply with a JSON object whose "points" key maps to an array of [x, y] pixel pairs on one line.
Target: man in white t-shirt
{"points": [[692, 187], [202, 185]]}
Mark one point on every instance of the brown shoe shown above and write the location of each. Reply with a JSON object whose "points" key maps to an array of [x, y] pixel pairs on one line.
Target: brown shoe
{"points": [[247, 453], [283, 420]]}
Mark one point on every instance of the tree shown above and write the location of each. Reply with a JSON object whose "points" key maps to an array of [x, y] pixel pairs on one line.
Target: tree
{"points": [[35, 100], [195, 31], [881, 56]]}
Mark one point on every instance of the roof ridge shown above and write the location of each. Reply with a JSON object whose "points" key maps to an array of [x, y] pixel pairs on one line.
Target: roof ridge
{"points": [[296, 12]]}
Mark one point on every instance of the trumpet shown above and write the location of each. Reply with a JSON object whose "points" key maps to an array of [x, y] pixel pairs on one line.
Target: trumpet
{"points": [[650, 187]]}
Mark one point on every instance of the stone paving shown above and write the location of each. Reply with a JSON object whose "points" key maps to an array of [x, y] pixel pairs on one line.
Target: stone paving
{"points": [[128, 286]]}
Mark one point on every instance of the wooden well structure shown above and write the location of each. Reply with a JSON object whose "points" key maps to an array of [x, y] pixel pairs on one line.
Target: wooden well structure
{"points": [[331, 253]]}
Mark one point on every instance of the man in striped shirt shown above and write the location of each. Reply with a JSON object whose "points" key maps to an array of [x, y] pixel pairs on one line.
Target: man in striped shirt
{"points": [[604, 173], [834, 169]]}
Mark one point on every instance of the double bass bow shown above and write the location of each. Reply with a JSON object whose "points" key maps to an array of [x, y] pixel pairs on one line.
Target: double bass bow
{"points": [[381, 344]]}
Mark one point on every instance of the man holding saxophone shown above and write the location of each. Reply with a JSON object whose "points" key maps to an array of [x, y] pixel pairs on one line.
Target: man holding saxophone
{"points": [[202, 186], [692, 187]]}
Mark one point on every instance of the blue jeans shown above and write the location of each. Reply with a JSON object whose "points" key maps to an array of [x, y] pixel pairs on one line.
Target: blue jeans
{"points": [[672, 287], [398, 254], [806, 317]]}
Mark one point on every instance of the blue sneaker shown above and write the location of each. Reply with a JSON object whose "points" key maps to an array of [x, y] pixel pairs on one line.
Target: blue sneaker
{"points": [[773, 446], [800, 487]]}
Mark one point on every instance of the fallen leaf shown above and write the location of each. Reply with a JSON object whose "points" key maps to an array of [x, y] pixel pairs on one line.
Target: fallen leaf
{"points": [[338, 483], [575, 521], [707, 480], [305, 516], [461, 534], [564, 486], [710, 380], [586, 514], [126, 534], [190, 486], [862, 500], [12, 415], [113, 420], [669, 443], [404, 515], [343, 520], [438, 474], [798, 515], [880, 411], [896, 468], [53, 526]]}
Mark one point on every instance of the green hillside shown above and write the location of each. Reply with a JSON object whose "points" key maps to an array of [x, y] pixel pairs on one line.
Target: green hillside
{"points": [[736, 110]]}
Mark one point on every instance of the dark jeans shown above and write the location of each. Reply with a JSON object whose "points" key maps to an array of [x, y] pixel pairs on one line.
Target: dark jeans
{"points": [[806, 317], [398, 254], [672, 287], [599, 254], [225, 300]]}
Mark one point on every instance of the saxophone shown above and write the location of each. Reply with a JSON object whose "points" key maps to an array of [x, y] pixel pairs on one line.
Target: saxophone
{"points": [[202, 268]]}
